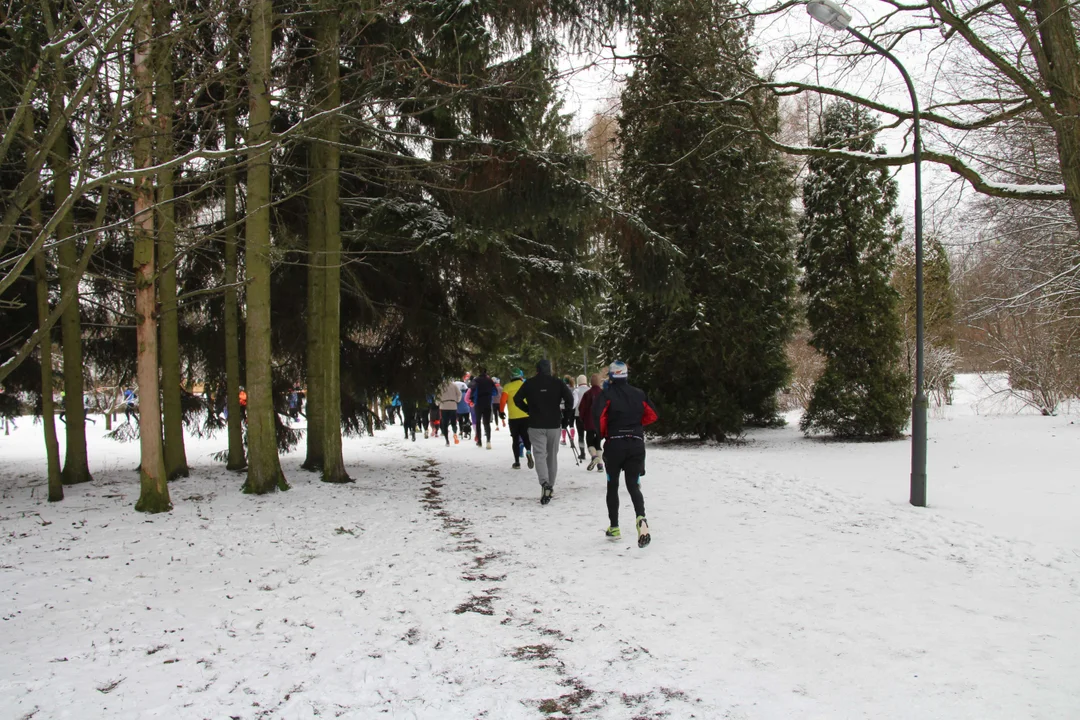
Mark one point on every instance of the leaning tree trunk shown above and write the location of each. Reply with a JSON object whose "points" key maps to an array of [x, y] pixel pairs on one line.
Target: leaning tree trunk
{"points": [[76, 468], [236, 459], [328, 165], [264, 468], [153, 490], [48, 411], [172, 410]]}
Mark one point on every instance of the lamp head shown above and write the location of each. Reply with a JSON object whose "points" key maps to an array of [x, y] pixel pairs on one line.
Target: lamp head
{"points": [[829, 13]]}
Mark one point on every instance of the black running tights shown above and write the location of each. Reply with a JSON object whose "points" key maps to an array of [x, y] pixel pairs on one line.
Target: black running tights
{"points": [[519, 433], [624, 456], [449, 420], [483, 415]]}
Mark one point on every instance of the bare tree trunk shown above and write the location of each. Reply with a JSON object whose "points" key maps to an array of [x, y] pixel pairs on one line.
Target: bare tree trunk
{"points": [[153, 488], [328, 87], [173, 412], [236, 459], [76, 468], [316, 276], [1059, 42], [48, 411], [264, 468]]}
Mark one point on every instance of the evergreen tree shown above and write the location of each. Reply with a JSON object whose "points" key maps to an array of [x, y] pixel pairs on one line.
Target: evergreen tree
{"points": [[847, 255], [230, 312], [325, 211], [165, 224], [76, 466], [939, 313], [153, 490], [475, 237], [713, 358], [21, 47], [264, 467], [939, 302], [463, 208], [41, 287]]}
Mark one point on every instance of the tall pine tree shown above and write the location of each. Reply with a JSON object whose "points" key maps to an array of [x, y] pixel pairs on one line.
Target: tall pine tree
{"points": [[714, 358], [847, 255], [264, 467]]}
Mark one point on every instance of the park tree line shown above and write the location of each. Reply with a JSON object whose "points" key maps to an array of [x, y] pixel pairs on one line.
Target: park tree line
{"points": [[253, 193], [1000, 284], [369, 196]]}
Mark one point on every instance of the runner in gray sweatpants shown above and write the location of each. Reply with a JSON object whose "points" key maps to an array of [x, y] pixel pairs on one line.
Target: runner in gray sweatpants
{"points": [[545, 447], [543, 397]]}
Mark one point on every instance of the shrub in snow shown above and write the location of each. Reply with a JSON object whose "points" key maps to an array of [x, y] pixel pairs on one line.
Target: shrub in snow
{"points": [[807, 364], [939, 371], [1040, 351]]}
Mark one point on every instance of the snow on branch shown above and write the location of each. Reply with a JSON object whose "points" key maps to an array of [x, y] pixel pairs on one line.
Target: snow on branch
{"points": [[974, 177]]}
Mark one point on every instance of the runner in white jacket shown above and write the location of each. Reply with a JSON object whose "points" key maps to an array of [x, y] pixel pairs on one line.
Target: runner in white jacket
{"points": [[579, 423]]}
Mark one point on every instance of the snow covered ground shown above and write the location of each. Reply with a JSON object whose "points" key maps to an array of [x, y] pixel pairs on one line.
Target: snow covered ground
{"points": [[788, 578]]}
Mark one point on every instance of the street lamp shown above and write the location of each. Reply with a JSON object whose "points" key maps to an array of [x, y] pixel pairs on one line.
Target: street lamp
{"points": [[829, 13]]}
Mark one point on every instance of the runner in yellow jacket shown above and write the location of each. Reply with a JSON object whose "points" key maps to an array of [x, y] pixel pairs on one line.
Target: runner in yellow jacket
{"points": [[519, 419]]}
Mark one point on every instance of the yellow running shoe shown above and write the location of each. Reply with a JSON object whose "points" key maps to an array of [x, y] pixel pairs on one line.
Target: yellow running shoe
{"points": [[643, 537]]}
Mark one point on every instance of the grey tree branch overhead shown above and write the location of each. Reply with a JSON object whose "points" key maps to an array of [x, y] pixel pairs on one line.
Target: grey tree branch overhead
{"points": [[997, 64]]}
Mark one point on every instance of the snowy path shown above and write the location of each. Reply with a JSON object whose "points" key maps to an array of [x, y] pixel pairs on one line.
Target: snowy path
{"points": [[436, 586]]}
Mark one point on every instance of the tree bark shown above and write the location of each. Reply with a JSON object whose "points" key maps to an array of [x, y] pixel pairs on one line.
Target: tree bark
{"points": [[236, 459], [1059, 41], [48, 410], [173, 412], [316, 276], [264, 467], [76, 468], [328, 165], [153, 488]]}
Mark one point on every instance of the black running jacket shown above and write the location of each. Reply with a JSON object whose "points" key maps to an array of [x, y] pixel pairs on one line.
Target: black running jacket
{"points": [[622, 410], [541, 397], [483, 391]]}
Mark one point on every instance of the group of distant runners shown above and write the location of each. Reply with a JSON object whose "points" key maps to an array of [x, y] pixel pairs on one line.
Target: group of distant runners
{"points": [[541, 413]]}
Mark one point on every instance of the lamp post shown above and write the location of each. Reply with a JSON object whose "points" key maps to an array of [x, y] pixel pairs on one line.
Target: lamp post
{"points": [[829, 13]]}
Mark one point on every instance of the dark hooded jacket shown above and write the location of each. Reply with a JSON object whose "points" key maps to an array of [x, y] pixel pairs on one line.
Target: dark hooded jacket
{"points": [[483, 391], [542, 396]]}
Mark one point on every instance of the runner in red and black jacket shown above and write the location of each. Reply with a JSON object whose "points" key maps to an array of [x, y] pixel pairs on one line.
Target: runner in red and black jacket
{"points": [[621, 412]]}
